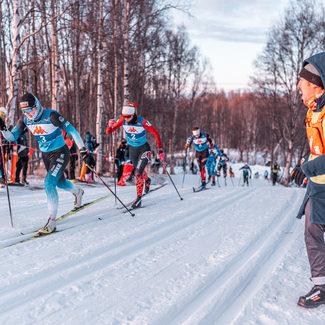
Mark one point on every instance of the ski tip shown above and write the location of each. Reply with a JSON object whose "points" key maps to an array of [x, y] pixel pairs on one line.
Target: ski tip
{"points": [[181, 199]]}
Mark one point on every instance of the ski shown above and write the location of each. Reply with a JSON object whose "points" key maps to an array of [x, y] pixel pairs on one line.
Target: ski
{"points": [[75, 210], [151, 190], [36, 236], [199, 189], [144, 206]]}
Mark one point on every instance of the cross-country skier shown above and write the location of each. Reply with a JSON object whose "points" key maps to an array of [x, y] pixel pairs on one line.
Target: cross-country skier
{"points": [[222, 164], [135, 128], [214, 151], [202, 149], [46, 125], [246, 170]]}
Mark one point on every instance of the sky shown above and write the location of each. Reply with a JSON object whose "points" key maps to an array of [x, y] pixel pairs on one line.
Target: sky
{"points": [[231, 34]]}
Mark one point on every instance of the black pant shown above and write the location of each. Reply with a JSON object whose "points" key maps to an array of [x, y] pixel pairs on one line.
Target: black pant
{"points": [[22, 164], [71, 167], [274, 177], [202, 157], [140, 156], [224, 167], [314, 239]]}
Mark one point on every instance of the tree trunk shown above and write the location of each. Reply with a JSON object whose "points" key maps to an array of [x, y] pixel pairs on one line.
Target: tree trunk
{"points": [[99, 93], [14, 66]]}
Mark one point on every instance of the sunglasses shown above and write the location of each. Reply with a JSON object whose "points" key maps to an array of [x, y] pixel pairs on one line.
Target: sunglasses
{"points": [[27, 109], [127, 116]]}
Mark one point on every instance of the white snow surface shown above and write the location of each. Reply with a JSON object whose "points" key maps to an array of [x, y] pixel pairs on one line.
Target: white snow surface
{"points": [[228, 255]]}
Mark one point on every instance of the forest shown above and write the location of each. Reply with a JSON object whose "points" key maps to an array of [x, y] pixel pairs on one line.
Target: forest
{"points": [[86, 59]]}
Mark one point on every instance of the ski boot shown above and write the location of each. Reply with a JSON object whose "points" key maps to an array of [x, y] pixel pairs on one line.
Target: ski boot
{"points": [[24, 181], [137, 203], [213, 182], [314, 298], [147, 185], [203, 183], [78, 198], [49, 227]]}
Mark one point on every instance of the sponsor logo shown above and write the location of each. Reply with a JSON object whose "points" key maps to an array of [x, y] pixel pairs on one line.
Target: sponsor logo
{"points": [[24, 104], [199, 141], [132, 130], [61, 119], [148, 123], [39, 130], [62, 155], [311, 142], [60, 160], [46, 120], [316, 148], [66, 123], [56, 170]]}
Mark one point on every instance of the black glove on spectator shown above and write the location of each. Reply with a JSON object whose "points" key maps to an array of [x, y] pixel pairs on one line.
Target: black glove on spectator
{"points": [[2, 125], [298, 175], [87, 158]]}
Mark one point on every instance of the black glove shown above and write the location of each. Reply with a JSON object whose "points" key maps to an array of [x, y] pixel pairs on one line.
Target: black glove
{"points": [[2, 125], [87, 158], [298, 175]]}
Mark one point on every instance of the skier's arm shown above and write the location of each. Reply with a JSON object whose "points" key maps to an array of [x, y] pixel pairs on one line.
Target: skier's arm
{"points": [[189, 141], [153, 131], [59, 121], [14, 134], [218, 150], [115, 126]]}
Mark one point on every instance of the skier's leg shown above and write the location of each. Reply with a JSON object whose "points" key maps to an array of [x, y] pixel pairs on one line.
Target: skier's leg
{"points": [[140, 173], [55, 163]]}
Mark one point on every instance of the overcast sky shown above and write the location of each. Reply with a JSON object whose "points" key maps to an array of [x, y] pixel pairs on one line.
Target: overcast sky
{"points": [[231, 33]]}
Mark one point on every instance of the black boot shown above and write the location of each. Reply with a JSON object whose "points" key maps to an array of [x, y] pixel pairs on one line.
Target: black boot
{"points": [[203, 183], [314, 298], [137, 203]]}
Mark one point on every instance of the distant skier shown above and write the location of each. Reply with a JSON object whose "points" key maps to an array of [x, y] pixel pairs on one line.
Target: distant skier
{"points": [[246, 170], [266, 174], [214, 151], [202, 150], [222, 164], [275, 169], [135, 128], [46, 126]]}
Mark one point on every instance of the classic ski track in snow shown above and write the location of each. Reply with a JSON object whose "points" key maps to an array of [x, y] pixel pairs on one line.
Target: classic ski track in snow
{"points": [[75, 271], [242, 278], [197, 261]]}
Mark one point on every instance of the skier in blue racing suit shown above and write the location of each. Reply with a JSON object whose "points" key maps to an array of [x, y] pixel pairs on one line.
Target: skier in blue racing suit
{"points": [[46, 126]]}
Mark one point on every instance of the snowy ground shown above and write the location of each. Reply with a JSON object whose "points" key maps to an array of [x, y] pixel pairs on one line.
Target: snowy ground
{"points": [[228, 255]]}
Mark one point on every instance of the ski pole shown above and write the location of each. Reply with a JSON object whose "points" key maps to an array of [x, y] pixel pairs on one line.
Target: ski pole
{"points": [[185, 165], [132, 214], [239, 179], [5, 177], [173, 183]]}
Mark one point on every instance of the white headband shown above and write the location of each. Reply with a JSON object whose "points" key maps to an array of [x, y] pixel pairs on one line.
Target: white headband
{"points": [[128, 110]]}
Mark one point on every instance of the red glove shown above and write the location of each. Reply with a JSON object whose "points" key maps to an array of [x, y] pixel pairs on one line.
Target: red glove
{"points": [[186, 145], [111, 123]]}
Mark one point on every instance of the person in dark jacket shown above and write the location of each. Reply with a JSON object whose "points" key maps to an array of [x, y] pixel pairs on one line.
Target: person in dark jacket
{"points": [[23, 157], [311, 87], [274, 170], [120, 158], [91, 145]]}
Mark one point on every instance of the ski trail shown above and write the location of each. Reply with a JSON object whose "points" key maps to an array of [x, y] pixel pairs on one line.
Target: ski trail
{"points": [[214, 298], [83, 267]]}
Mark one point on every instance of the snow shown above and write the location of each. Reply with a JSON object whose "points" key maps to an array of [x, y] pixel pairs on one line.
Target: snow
{"points": [[229, 255]]}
